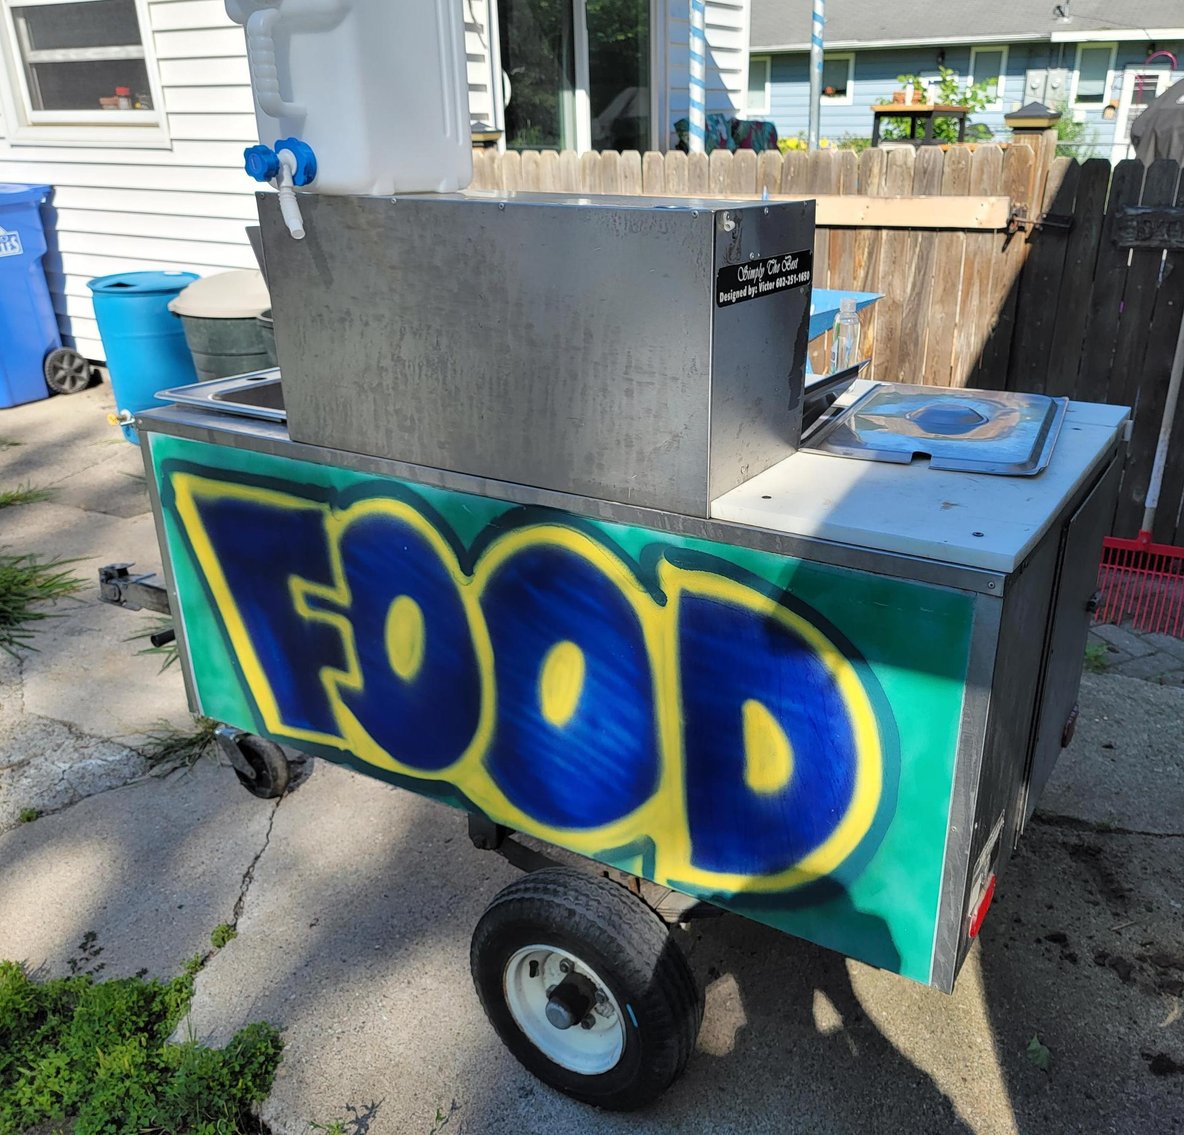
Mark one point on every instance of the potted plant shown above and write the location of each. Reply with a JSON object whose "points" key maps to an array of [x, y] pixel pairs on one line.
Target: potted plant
{"points": [[914, 89]]}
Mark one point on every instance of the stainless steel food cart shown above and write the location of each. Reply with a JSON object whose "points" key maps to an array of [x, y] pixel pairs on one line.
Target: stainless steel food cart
{"points": [[541, 522]]}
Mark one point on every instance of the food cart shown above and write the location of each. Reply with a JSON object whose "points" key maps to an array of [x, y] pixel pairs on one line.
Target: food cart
{"points": [[538, 519]]}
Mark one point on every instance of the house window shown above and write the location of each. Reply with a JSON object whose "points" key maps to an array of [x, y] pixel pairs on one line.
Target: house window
{"points": [[80, 68], [989, 65], [576, 74], [1095, 63], [837, 73], [758, 85]]}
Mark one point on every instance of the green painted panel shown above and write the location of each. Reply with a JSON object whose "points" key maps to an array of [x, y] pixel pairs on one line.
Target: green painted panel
{"points": [[773, 734]]}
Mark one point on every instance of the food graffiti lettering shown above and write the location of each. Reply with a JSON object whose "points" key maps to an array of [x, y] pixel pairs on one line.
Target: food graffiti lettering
{"points": [[561, 687]]}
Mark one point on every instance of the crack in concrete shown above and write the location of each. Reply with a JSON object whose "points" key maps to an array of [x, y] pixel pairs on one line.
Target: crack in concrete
{"points": [[1073, 824], [249, 874]]}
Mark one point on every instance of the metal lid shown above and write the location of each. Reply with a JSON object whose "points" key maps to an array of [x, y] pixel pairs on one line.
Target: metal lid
{"points": [[13, 194], [143, 283], [969, 431], [241, 294]]}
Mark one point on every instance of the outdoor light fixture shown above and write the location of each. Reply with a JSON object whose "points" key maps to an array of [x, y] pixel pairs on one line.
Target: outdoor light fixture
{"points": [[1061, 12]]}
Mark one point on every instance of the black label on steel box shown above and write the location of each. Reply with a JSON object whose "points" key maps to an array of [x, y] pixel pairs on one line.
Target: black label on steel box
{"points": [[736, 283]]}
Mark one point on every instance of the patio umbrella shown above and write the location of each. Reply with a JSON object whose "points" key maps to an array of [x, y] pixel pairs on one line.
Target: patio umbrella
{"points": [[1159, 131]]}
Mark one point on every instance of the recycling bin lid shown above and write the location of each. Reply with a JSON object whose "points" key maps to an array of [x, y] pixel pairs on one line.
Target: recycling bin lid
{"points": [[13, 194], [240, 294], [142, 283]]}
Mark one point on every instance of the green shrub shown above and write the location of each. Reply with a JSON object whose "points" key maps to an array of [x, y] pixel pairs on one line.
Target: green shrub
{"points": [[96, 1054]]}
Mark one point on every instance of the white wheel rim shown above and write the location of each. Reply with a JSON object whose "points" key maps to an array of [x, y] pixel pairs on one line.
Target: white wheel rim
{"points": [[527, 981]]}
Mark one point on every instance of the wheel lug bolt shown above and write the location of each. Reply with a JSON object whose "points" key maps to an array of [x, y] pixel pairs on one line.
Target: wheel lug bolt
{"points": [[565, 966]]}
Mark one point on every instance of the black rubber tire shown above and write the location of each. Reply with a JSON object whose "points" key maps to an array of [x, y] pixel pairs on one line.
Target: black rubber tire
{"points": [[628, 945], [66, 371], [272, 770]]}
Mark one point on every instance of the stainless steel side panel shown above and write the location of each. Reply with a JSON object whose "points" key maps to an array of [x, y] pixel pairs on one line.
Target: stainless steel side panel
{"points": [[1077, 580], [272, 437], [1017, 694], [547, 340]]}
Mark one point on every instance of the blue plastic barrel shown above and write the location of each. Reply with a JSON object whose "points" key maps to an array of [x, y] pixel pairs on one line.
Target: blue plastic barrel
{"points": [[143, 341], [28, 326]]}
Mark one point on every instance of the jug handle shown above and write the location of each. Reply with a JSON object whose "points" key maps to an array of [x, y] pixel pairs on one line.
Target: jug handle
{"points": [[264, 74]]}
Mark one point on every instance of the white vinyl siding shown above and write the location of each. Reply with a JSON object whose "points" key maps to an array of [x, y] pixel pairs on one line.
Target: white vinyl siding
{"points": [[182, 205], [727, 59], [481, 57]]}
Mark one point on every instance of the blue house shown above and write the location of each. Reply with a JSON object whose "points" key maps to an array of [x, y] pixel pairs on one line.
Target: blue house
{"points": [[1099, 62]]}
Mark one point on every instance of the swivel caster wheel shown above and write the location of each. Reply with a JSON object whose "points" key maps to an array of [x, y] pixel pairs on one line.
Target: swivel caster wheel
{"points": [[260, 764], [585, 986]]}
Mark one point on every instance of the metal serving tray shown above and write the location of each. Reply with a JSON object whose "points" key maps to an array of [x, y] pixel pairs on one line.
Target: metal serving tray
{"points": [[968, 431]]}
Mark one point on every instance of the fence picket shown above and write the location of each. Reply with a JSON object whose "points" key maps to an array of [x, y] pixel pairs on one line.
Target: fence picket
{"points": [[768, 172], [742, 178], [1018, 182], [532, 167], [1076, 283], [986, 173], [870, 182], [1109, 279], [894, 272], [549, 179], [653, 174], [922, 253], [630, 173], [942, 317], [1036, 309]]}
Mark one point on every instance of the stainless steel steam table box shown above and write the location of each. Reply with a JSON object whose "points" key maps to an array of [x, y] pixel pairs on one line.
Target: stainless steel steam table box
{"points": [[639, 350]]}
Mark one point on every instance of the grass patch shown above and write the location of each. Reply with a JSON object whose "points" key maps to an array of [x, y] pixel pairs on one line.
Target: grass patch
{"points": [[1096, 661], [221, 934], [181, 746], [27, 815], [23, 494], [94, 1056], [26, 582]]}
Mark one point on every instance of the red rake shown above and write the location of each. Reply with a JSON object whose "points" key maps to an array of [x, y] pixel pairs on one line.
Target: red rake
{"points": [[1138, 578]]}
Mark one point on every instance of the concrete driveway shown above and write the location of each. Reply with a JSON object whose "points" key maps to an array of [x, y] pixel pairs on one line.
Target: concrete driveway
{"points": [[354, 903]]}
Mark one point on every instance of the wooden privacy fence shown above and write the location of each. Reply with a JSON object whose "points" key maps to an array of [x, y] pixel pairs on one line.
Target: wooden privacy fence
{"points": [[1097, 320], [1053, 302], [923, 226]]}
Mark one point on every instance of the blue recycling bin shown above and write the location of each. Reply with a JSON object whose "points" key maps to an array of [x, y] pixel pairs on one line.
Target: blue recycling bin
{"points": [[28, 326], [144, 342]]}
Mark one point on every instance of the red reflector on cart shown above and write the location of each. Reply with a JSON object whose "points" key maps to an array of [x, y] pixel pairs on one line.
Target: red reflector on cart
{"points": [[976, 923]]}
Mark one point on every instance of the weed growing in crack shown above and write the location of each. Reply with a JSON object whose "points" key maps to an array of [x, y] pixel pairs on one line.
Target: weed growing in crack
{"points": [[222, 933], [1096, 661], [24, 494], [26, 582], [95, 1056], [333, 1127], [168, 653], [27, 815], [181, 747]]}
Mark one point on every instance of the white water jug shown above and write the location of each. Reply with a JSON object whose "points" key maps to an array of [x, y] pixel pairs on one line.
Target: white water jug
{"points": [[377, 89]]}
